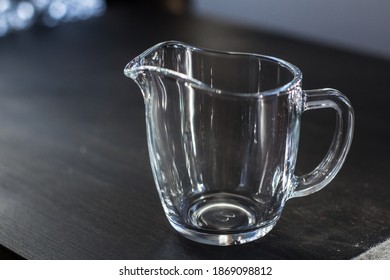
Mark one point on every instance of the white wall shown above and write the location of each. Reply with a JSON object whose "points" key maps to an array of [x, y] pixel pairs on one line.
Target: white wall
{"points": [[362, 25]]}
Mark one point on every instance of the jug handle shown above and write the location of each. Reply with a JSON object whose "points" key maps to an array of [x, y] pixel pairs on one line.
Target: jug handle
{"points": [[335, 157]]}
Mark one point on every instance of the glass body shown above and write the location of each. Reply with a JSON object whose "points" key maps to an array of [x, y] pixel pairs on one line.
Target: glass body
{"points": [[223, 132]]}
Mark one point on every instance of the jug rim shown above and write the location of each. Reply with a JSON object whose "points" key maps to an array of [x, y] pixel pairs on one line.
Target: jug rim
{"points": [[136, 65]]}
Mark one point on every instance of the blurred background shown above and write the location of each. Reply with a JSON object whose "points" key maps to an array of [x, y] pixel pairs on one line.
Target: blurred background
{"points": [[16, 15], [357, 25]]}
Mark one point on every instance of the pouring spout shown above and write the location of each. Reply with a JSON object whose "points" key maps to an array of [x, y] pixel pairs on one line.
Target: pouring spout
{"points": [[132, 68], [172, 60], [136, 71], [163, 60], [150, 60]]}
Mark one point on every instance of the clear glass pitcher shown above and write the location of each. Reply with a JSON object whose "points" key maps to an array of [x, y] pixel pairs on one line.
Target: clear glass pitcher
{"points": [[223, 131]]}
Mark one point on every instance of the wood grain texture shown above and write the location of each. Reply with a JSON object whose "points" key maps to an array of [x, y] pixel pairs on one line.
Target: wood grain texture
{"points": [[74, 168]]}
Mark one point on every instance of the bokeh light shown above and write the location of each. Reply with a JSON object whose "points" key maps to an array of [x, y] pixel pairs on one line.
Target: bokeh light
{"points": [[21, 14]]}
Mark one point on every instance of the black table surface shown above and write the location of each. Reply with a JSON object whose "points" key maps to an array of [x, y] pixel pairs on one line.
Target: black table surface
{"points": [[75, 175]]}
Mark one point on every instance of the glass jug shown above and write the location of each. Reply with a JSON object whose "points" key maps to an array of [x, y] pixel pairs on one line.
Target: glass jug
{"points": [[223, 131]]}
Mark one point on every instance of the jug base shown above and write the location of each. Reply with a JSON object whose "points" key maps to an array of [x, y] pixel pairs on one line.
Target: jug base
{"points": [[218, 239], [222, 212], [225, 219]]}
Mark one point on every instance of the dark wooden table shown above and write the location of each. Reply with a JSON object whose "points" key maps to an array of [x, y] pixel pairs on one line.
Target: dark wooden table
{"points": [[75, 181]]}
